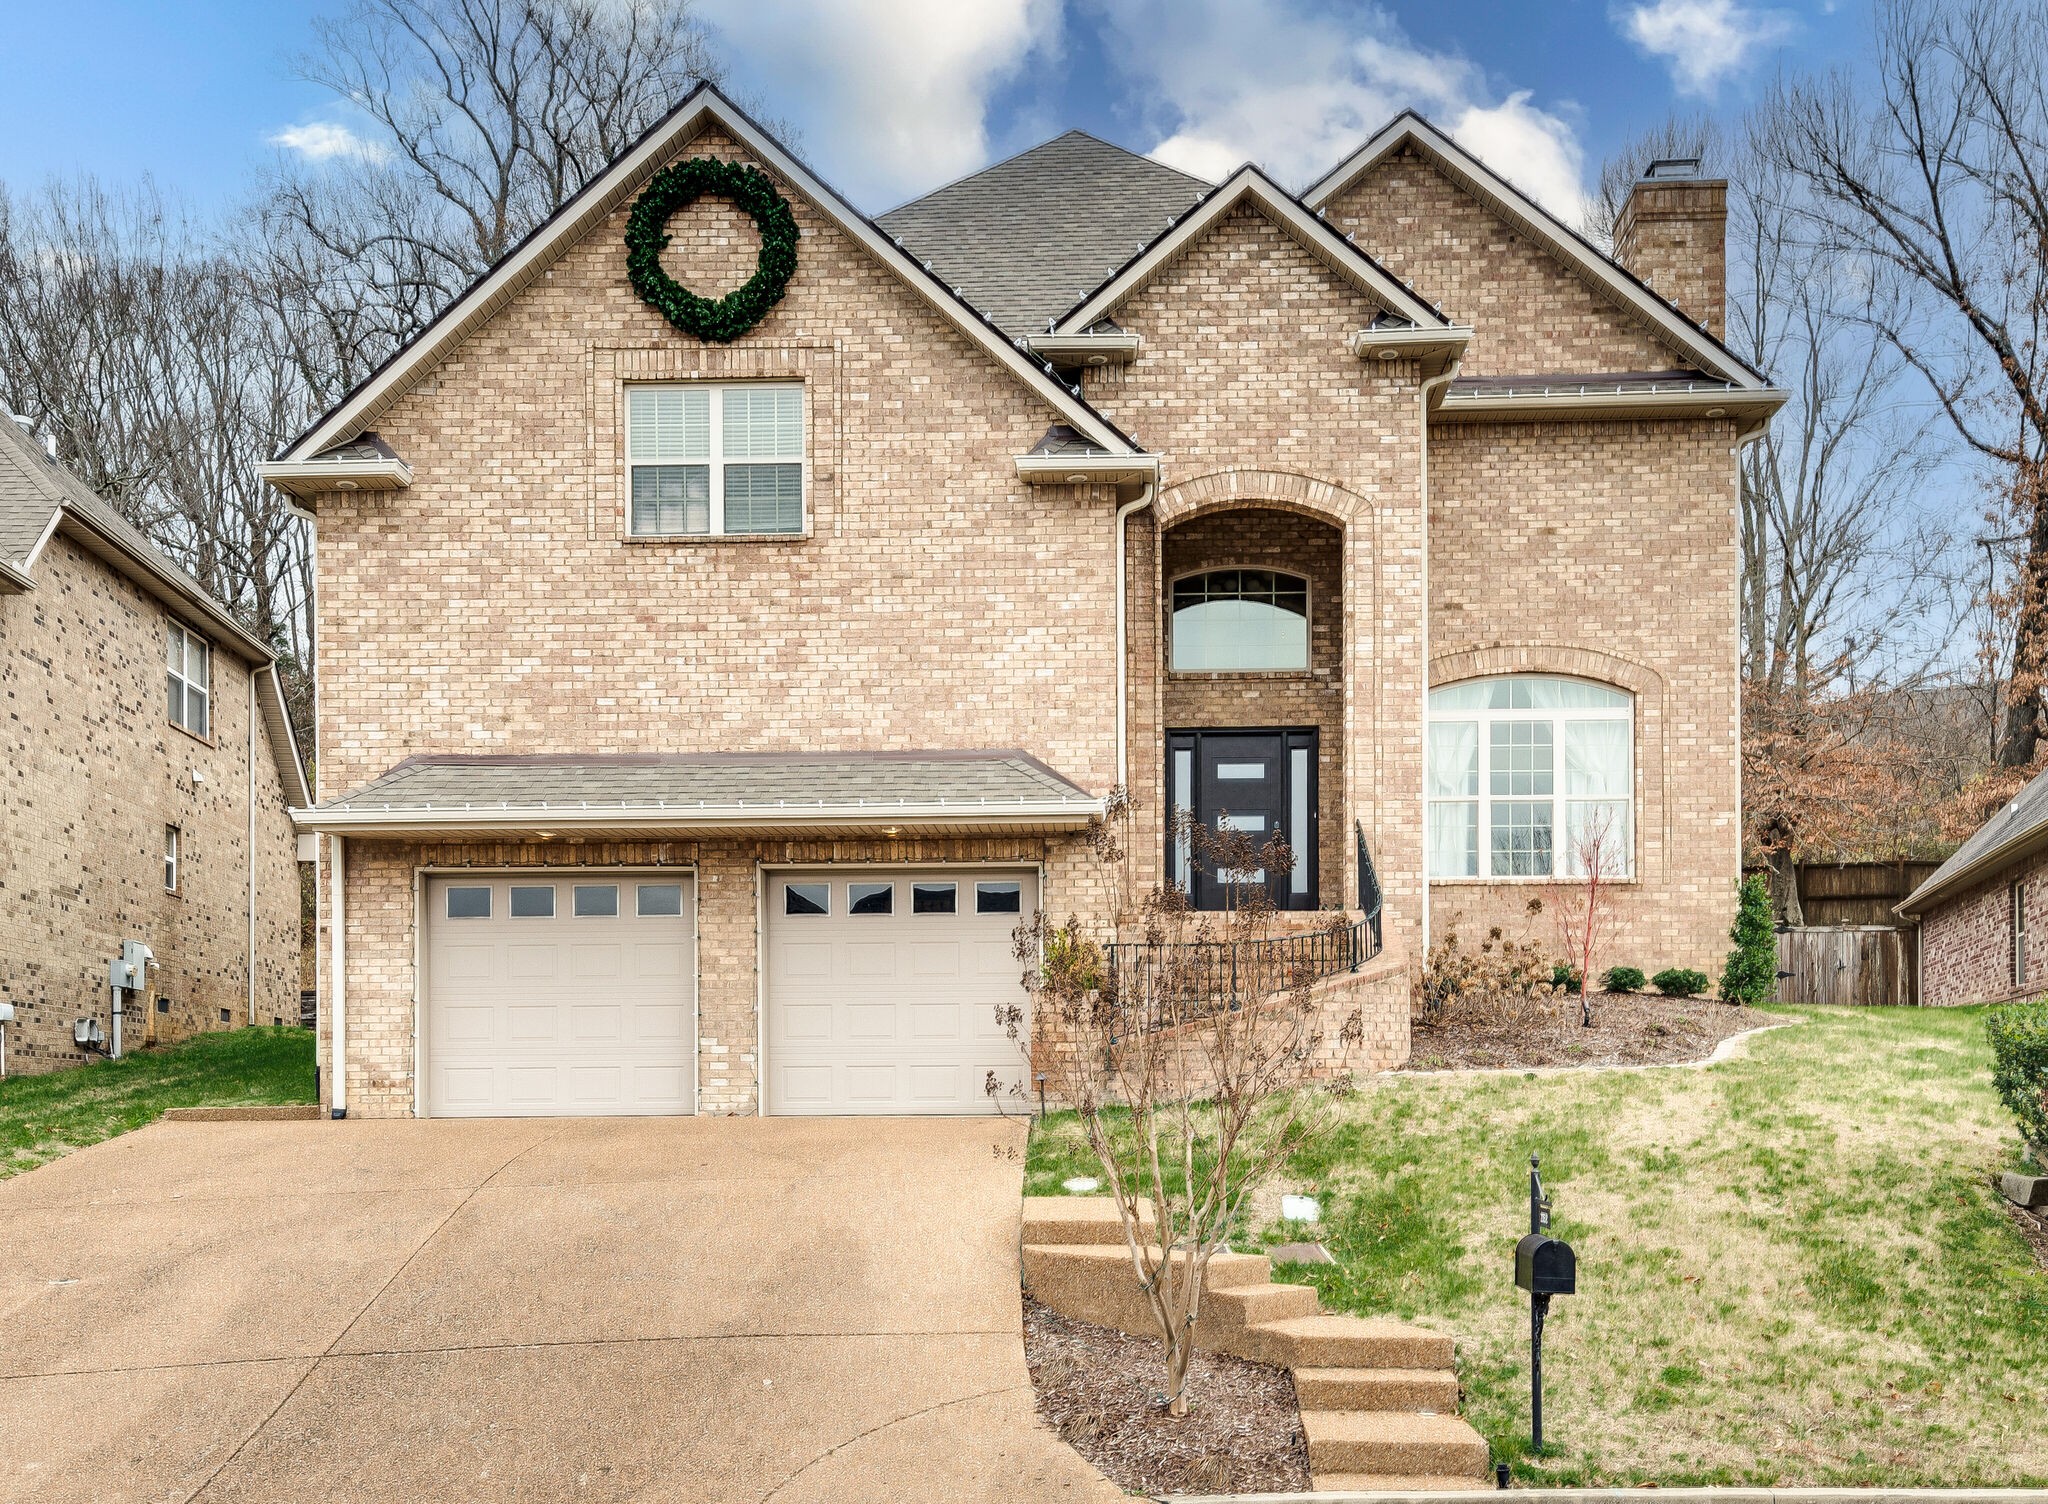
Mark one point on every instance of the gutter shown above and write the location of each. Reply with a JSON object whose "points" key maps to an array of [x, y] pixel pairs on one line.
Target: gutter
{"points": [[1123, 647], [2028, 842], [1430, 385], [1034, 814]]}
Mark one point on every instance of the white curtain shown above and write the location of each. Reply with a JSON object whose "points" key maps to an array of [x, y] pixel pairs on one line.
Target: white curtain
{"points": [[1596, 787]]}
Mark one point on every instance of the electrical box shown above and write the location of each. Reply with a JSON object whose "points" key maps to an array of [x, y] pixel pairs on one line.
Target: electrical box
{"points": [[126, 970], [87, 1031]]}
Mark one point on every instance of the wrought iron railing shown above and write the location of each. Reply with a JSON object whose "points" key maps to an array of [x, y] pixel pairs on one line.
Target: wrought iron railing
{"points": [[1370, 899], [1161, 986]]}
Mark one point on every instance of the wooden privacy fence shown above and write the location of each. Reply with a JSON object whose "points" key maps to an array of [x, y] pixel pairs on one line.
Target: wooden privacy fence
{"points": [[1858, 966]]}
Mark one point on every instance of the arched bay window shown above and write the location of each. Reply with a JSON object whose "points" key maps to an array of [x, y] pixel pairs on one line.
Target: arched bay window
{"points": [[1530, 777], [1237, 620]]}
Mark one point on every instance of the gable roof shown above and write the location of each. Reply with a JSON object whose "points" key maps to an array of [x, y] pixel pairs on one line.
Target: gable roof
{"points": [[1027, 238], [2017, 830], [1578, 254], [702, 109], [39, 497], [1250, 185]]}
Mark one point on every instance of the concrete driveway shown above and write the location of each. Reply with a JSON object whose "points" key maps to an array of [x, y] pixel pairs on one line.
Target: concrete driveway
{"points": [[700, 1310]]}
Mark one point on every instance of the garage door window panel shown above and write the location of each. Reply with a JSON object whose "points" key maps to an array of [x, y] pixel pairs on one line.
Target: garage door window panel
{"points": [[806, 900], [597, 900], [933, 898], [469, 903], [871, 898], [998, 898], [533, 902], [658, 900]]}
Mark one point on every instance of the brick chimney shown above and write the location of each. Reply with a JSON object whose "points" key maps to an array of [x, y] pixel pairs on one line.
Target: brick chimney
{"points": [[1673, 234]]}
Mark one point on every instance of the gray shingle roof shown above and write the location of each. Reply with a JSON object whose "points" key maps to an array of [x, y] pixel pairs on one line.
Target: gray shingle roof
{"points": [[33, 486], [1028, 238], [714, 780], [2024, 815]]}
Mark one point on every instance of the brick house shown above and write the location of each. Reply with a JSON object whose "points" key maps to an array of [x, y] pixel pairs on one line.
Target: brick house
{"points": [[147, 774], [698, 718], [1980, 914]]}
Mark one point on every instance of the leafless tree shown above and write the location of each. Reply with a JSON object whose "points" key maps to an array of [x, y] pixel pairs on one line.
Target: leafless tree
{"points": [[1930, 181], [471, 121], [1190, 1052]]}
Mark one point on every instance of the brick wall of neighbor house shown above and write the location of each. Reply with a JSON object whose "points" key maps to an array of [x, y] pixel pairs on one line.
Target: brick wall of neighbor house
{"points": [[1605, 551], [1966, 941], [381, 918], [1528, 312], [1245, 386], [1302, 545], [91, 771]]}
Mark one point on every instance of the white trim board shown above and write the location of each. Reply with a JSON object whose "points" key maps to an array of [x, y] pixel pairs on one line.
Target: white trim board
{"points": [[1564, 243], [704, 108]]}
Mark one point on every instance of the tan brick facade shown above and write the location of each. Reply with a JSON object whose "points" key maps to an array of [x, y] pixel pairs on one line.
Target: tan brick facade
{"points": [[93, 773], [937, 601]]}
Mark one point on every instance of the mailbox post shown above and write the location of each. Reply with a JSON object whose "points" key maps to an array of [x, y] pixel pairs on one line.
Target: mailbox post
{"points": [[1544, 1266]]}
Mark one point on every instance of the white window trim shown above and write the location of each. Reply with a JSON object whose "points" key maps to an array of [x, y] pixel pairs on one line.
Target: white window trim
{"points": [[1308, 590], [174, 858], [187, 637], [716, 461], [1559, 870], [2018, 917]]}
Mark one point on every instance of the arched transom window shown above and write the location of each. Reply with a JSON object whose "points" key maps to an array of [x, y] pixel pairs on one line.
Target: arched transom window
{"points": [[1233, 620], [1530, 777]]}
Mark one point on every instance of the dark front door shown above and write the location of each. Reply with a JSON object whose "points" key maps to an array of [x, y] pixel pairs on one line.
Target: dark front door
{"points": [[1260, 782]]}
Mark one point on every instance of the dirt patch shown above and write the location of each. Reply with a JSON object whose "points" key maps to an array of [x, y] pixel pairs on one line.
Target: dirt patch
{"points": [[1096, 1388], [1628, 1029], [2033, 1225]]}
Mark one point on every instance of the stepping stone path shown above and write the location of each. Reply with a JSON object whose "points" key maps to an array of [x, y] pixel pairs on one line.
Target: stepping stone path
{"points": [[1379, 1398]]}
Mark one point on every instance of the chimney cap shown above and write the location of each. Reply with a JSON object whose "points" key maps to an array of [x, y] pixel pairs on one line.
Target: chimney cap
{"points": [[1665, 168]]}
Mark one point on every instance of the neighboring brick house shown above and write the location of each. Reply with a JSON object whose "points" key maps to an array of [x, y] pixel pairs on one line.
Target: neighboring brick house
{"points": [[147, 774], [1983, 914], [698, 718]]}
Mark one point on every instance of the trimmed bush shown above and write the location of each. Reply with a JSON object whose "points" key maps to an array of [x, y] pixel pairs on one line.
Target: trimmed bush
{"points": [[1623, 979], [1751, 975], [1566, 978], [2019, 1069], [1679, 981]]}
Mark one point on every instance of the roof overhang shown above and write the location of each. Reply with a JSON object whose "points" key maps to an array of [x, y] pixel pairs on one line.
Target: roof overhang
{"points": [[1116, 349], [1945, 884], [703, 109], [1249, 185], [1436, 350], [306, 479], [1087, 469], [1747, 407], [782, 818], [14, 581], [170, 587], [1601, 272]]}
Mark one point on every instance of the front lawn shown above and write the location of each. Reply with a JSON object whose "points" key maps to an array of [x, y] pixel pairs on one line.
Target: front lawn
{"points": [[1792, 1268], [43, 1117]]}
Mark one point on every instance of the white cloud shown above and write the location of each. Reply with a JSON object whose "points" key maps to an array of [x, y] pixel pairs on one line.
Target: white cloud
{"points": [[891, 97], [322, 141], [1703, 42], [1296, 90]]}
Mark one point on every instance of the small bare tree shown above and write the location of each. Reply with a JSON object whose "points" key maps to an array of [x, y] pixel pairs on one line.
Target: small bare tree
{"points": [[1583, 911], [1193, 1054]]}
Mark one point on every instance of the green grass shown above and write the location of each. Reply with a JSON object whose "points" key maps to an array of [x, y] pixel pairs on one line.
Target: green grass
{"points": [[1792, 1268], [44, 1117]]}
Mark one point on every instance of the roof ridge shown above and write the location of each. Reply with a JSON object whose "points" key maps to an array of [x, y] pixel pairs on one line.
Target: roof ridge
{"points": [[1018, 156]]}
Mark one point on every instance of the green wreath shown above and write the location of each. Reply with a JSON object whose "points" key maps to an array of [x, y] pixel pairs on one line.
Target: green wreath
{"points": [[677, 187]]}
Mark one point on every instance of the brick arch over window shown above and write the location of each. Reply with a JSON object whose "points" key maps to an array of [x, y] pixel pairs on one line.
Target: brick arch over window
{"points": [[1653, 794], [1220, 490]]}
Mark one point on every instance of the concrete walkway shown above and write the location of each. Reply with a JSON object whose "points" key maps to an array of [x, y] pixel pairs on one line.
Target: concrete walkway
{"points": [[598, 1309]]}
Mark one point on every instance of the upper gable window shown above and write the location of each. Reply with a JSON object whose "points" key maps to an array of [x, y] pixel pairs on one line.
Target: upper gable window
{"points": [[1234, 620], [190, 662], [709, 461]]}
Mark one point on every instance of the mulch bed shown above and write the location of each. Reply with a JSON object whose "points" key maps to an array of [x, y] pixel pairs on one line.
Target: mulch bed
{"points": [[1097, 1388], [2033, 1226], [1629, 1028]]}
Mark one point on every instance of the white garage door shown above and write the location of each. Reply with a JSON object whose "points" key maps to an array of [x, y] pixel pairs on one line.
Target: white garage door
{"points": [[883, 987], [564, 995]]}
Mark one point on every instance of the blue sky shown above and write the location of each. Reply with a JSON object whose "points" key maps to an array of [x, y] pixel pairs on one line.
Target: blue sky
{"points": [[895, 96]]}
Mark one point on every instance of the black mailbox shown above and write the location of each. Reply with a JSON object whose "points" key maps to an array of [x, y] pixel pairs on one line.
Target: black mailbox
{"points": [[1546, 1266]]}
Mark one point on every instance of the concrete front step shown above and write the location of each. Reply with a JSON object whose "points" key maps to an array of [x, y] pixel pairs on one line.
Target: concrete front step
{"points": [[1377, 1389], [1076, 1219], [1348, 1342], [1392, 1442], [1241, 1306], [1386, 1483], [1227, 1270]]}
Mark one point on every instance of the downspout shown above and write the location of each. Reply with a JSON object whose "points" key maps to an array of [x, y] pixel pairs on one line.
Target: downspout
{"points": [[250, 850], [1429, 385], [338, 969], [1742, 441], [1123, 647]]}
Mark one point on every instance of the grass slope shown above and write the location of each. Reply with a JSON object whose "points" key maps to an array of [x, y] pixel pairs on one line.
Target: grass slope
{"points": [[45, 1116], [1792, 1269]]}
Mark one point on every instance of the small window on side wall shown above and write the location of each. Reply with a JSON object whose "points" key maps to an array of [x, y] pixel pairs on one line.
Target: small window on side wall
{"points": [[189, 668], [171, 842]]}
